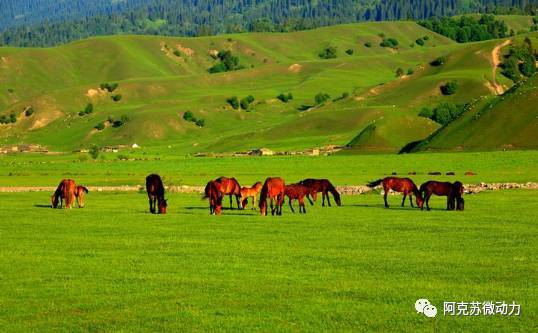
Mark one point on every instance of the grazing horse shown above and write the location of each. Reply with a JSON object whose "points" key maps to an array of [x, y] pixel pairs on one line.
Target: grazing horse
{"points": [[404, 185], [247, 192], [437, 188], [65, 190], [80, 193], [230, 186], [155, 189], [213, 193], [273, 188], [297, 192], [324, 186]]}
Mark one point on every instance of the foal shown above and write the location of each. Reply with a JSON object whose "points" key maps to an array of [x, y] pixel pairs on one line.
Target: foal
{"points": [[297, 192], [247, 192], [80, 193]]}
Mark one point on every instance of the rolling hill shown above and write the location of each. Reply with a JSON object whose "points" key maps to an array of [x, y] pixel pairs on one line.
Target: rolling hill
{"points": [[160, 78]]}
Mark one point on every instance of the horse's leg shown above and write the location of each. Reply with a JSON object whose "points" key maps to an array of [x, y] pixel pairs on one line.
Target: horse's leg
{"points": [[291, 207], [280, 203], [404, 196], [272, 208], [328, 199], [230, 196], [310, 200], [237, 201], [386, 192], [302, 206], [411, 200], [150, 205], [428, 196], [322, 199]]}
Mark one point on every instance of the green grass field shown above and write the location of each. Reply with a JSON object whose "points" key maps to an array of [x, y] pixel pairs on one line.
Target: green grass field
{"points": [[113, 267]]}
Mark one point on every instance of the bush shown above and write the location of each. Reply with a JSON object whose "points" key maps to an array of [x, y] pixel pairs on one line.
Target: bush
{"points": [[349, 51], [381, 34], [410, 71], [444, 113], [87, 110], [245, 102], [94, 151], [420, 41], [449, 88], [12, 118], [188, 116], [321, 98], [328, 53], [227, 62], [426, 113], [123, 120], [200, 123], [100, 126], [368, 44], [110, 87], [528, 65], [389, 42], [177, 53], [29, 112], [438, 61], [399, 72], [285, 98], [426, 37], [116, 98], [234, 102]]}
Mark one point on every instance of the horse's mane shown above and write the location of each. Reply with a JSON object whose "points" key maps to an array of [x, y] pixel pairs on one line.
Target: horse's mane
{"points": [[333, 190], [263, 193]]}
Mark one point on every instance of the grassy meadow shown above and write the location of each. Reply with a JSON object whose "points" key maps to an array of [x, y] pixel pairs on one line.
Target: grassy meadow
{"points": [[113, 267]]}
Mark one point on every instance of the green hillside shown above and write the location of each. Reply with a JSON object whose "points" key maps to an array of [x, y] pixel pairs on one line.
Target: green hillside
{"points": [[506, 122], [160, 78]]}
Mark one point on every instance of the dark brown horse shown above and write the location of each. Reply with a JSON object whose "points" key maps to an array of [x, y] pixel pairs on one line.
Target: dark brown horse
{"points": [[324, 186], [213, 193], [297, 192], [155, 189], [230, 186], [64, 191], [438, 188], [80, 193], [403, 185], [457, 196], [273, 189]]}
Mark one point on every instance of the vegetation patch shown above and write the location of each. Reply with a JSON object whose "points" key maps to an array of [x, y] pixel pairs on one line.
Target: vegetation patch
{"points": [[189, 116], [520, 61], [285, 97], [443, 113], [110, 87], [226, 62], [87, 110], [449, 88], [467, 28], [329, 53]]}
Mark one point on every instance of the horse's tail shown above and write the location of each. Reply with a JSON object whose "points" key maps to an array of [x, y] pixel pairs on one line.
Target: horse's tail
{"points": [[374, 183], [206, 191]]}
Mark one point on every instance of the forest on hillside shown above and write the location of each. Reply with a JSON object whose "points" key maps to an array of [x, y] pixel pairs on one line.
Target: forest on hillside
{"points": [[48, 23]]}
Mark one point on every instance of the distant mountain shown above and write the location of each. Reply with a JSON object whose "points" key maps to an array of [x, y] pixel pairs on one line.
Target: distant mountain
{"points": [[48, 22]]}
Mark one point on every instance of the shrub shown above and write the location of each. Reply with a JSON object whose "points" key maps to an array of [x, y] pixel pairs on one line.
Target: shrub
{"points": [[349, 51], [410, 71], [227, 62], [100, 126], [200, 123], [321, 98], [381, 34], [234, 102], [328, 53], [116, 98], [245, 102], [426, 113], [110, 87], [12, 118], [399, 72], [285, 98], [94, 151], [368, 44], [29, 111], [528, 65], [177, 53], [389, 42], [438, 61], [122, 121], [420, 41], [87, 110], [188, 116], [426, 37], [449, 88]]}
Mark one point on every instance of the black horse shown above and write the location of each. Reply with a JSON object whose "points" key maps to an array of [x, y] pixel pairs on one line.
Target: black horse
{"points": [[155, 189]]}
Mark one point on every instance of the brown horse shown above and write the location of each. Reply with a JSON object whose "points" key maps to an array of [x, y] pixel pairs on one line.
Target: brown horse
{"points": [[80, 193], [456, 195], [273, 188], [324, 186], [297, 192], [230, 186], [155, 189], [404, 185], [65, 190], [247, 192], [213, 193], [437, 188]]}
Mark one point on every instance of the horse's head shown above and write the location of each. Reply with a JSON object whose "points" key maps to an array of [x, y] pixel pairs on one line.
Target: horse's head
{"points": [[54, 201], [244, 203], [263, 207], [419, 200], [337, 199], [162, 206]]}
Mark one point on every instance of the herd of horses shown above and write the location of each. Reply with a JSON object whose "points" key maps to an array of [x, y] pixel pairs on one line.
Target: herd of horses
{"points": [[275, 190]]}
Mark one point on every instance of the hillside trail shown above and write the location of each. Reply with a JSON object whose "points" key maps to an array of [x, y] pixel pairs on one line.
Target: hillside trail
{"points": [[496, 61]]}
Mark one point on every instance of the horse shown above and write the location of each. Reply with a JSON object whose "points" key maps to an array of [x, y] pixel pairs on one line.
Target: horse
{"points": [[247, 192], [213, 193], [80, 192], [437, 188], [324, 186], [273, 188], [155, 189], [297, 192], [65, 190], [404, 185], [230, 186]]}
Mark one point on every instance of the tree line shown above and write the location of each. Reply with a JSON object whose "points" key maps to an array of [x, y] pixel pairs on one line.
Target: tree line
{"points": [[210, 17]]}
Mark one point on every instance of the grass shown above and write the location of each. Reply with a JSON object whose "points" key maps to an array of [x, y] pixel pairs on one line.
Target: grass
{"points": [[45, 170], [359, 267]]}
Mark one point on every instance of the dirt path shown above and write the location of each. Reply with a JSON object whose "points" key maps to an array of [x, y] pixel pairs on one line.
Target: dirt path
{"points": [[346, 190], [496, 61]]}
